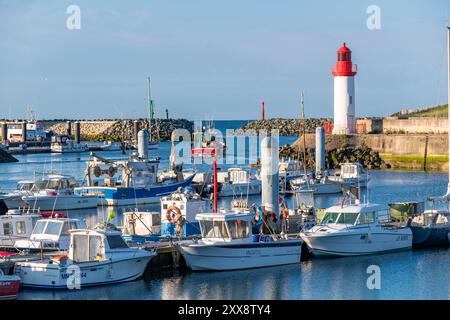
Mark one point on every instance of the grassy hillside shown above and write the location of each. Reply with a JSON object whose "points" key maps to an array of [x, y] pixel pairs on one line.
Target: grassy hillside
{"points": [[436, 111]]}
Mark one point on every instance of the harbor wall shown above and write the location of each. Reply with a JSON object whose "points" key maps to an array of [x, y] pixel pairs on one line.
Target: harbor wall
{"points": [[399, 151], [422, 125], [388, 125], [119, 130]]}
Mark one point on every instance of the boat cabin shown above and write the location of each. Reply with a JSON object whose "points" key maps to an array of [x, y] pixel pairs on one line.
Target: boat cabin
{"points": [[51, 234], [17, 224], [290, 168], [351, 171], [233, 175], [225, 227], [141, 223], [356, 214], [431, 217], [95, 245], [134, 172]]}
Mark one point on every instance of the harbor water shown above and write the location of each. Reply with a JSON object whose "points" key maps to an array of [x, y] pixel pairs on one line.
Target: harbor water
{"points": [[417, 274]]}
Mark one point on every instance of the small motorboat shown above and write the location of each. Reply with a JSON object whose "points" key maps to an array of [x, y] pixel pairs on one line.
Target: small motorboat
{"points": [[51, 234], [17, 224], [356, 229], [9, 286], [352, 174], [64, 144], [13, 199], [430, 228], [227, 243], [96, 257], [319, 185], [237, 182], [56, 192]]}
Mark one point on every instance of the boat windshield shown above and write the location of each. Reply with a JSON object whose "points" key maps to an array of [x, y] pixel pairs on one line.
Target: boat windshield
{"points": [[48, 227], [25, 186], [340, 217], [238, 229], [58, 184], [213, 229]]}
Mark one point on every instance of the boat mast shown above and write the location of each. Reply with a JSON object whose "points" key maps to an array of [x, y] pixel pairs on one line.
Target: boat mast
{"points": [[150, 110], [303, 134], [448, 104]]}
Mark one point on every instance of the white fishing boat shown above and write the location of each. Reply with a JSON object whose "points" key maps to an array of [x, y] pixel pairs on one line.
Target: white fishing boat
{"points": [[227, 243], [356, 229], [319, 185], [96, 257], [64, 144], [352, 174], [237, 182], [56, 192], [17, 224], [13, 199], [50, 235]]}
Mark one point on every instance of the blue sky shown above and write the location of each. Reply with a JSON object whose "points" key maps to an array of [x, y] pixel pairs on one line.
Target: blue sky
{"points": [[217, 59]]}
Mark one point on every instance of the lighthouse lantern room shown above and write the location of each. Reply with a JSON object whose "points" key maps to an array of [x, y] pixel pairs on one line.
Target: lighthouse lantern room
{"points": [[344, 92]]}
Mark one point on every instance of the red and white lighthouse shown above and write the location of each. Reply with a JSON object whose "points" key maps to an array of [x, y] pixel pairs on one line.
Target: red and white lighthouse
{"points": [[344, 92]]}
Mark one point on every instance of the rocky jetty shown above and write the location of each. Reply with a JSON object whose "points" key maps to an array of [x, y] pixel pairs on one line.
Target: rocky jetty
{"points": [[335, 155], [120, 130], [6, 157], [286, 127]]}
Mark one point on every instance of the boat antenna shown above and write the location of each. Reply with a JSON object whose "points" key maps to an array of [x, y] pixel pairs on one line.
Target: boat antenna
{"points": [[367, 187], [151, 110], [303, 134]]}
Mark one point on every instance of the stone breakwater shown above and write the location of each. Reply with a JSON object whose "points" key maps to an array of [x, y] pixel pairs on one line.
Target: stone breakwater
{"points": [[286, 127], [339, 149], [120, 130], [364, 155]]}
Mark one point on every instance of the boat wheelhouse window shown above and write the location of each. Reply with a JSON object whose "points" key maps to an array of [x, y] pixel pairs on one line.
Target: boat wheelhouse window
{"points": [[70, 225], [58, 184], [95, 248], [330, 217], [347, 218], [25, 186], [213, 229], [116, 242], [366, 217], [238, 229], [53, 228], [39, 227], [20, 227], [40, 185], [7, 228]]}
